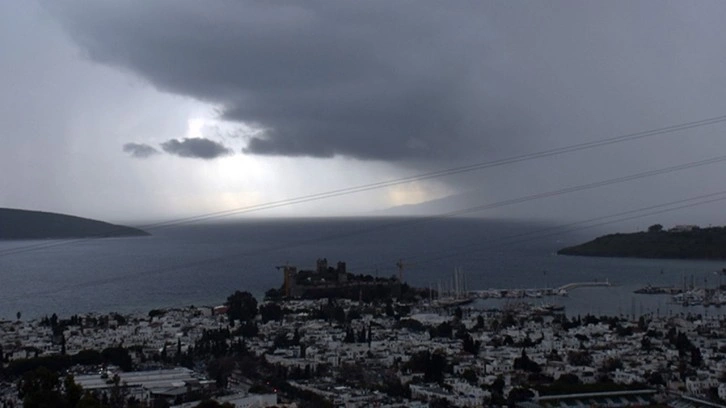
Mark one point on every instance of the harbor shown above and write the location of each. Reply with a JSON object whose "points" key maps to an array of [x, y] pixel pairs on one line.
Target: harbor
{"points": [[689, 294], [454, 292], [534, 292], [515, 298]]}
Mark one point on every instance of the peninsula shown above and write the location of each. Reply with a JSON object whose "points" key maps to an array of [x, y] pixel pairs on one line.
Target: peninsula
{"points": [[22, 224], [679, 242]]}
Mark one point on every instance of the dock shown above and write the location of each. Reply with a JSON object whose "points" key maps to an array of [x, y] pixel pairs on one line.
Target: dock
{"points": [[576, 285], [535, 292]]}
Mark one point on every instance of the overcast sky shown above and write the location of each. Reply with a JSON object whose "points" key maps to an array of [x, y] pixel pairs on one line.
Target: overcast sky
{"points": [[140, 110]]}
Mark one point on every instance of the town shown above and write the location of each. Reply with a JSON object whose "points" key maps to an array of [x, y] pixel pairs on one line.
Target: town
{"points": [[407, 350]]}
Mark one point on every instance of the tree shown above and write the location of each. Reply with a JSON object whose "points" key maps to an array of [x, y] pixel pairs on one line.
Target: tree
{"points": [[579, 358], [696, 358], [470, 376], [73, 391], [339, 314], [611, 364], [655, 228], [248, 329], [213, 404], [353, 314], [498, 386], [656, 378], [553, 355], [479, 323], [389, 309], [470, 345], [642, 324], [270, 312], [432, 365], [242, 306], [118, 356], [442, 330], [220, 369], [519, 394], [349, 336], [118, 394], [393, 386], [526, 364], [645, 343], [273, 294], [89, 401], [439, 403], [41, 389], [568, 379], [434, 371], [296, 337]]}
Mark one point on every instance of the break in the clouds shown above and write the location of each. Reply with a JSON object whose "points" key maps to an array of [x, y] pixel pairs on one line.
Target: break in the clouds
{"points": [[140, 150], [196, 147]]}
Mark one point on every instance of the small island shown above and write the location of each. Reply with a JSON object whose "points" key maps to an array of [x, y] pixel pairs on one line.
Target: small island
{"points": [[679, 242], [22, 224]]}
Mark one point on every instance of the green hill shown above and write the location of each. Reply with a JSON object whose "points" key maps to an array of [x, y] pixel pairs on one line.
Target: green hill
{"points": [[694, 243], [23, 224]]}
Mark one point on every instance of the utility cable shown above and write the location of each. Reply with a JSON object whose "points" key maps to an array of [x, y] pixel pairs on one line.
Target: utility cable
{"points": [[398, 181], [210, 261]]}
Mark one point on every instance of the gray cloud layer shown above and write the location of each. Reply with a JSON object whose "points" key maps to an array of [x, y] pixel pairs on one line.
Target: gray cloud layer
{"points": [[418, 80], [196, 147], [382, 80], [421, 84], [140, 150]]}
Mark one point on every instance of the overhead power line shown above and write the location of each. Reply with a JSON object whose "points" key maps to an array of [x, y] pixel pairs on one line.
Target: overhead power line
{"points": [[211, 261], [441, 173], [389, 183], [478, 208], [519, 238], [375, 267]]}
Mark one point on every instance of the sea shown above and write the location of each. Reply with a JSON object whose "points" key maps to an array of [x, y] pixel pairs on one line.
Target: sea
{"points": [[202, 264]]}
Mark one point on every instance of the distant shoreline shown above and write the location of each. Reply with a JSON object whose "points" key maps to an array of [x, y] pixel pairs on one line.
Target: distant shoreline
{"points": [[23, 225], [681, 242]]}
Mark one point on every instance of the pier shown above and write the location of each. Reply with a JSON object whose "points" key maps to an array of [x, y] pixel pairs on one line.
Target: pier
{"points": [[576, 285], [535, 292]]}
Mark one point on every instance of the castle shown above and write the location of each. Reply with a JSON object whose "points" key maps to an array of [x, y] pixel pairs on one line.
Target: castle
{"points": [[326, 281]]}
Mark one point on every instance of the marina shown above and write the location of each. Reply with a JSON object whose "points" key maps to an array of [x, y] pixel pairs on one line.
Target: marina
{"points": [[534, 292], [690, 294]]}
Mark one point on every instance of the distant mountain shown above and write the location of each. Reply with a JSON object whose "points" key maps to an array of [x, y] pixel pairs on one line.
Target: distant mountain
{"points": [[684, 242], [23, 224]]}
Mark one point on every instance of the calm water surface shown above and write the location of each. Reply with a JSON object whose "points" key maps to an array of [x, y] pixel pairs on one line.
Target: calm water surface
{"points": [[202, 264]]}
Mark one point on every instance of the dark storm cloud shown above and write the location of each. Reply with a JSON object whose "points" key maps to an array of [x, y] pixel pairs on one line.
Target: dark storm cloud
{"points": [[196, 147], [417, 80], [375, 80], [140, 150]]}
